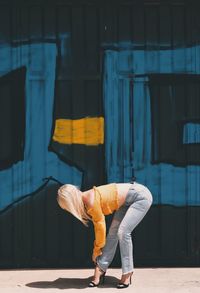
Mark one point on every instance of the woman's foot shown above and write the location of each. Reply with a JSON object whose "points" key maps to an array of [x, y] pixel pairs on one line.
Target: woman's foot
{"points": [[98, 277], [125, 281]]}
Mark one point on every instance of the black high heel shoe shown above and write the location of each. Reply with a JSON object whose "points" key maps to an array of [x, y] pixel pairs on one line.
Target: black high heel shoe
{"points": [[122, 285], [101, 280]]}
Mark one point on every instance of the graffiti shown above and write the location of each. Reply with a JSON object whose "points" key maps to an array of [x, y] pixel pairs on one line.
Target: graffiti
{"points": [[12, 117], [129, 93], [25, 176], [127, 89], [174, 100], [100, 93], [87, 131], [191, 133]]}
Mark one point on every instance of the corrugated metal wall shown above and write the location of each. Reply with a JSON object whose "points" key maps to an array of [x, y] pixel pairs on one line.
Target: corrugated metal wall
{"points": [[128, 73]]}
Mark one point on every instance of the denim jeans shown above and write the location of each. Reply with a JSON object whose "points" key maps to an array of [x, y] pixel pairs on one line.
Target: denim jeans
{"points": [[126, 218]]}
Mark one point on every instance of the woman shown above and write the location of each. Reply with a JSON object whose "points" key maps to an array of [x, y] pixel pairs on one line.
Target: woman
{"points": [[129, 201]]}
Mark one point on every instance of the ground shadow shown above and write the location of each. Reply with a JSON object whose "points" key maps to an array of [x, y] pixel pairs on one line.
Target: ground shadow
{"points": [[75, 283]]}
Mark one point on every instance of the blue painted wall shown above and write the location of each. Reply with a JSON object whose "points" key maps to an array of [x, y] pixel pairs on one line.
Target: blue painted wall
{"points": [[129, 122], [94, 58], [26, 176]]}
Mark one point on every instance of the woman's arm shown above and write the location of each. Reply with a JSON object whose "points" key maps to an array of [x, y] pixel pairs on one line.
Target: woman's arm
{"points": [[99, 223], [100, 236]]}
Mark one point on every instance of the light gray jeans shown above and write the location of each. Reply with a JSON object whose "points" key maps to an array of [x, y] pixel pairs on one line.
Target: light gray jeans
{"points": [[126, 218]]}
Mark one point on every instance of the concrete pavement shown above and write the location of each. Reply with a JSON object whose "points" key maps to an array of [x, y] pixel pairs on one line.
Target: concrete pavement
{"points": [[145, 280]]}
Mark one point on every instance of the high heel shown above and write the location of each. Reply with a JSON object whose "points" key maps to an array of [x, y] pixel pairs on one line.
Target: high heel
{"points": [[101, 280], [122, 285]]}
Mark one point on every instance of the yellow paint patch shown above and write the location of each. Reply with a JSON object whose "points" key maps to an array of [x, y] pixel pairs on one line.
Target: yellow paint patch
{"points": [[87, 131]]}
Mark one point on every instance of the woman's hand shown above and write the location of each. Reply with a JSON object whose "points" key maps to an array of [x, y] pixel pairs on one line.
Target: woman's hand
{"points": [[94, 257]]}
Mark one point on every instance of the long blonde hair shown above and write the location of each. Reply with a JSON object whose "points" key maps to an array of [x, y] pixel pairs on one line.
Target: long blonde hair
{"points": [[69, 199]]}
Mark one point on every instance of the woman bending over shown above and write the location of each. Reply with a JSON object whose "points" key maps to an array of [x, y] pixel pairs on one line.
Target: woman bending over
{"points": [[128, 201]]}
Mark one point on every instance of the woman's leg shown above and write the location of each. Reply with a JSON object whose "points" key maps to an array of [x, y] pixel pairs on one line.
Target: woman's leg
{"points": [[108, 251], [136, 211]]}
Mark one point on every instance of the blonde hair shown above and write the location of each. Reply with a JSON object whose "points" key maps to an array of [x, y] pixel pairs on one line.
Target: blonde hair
{"points": [[69, 199]]}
